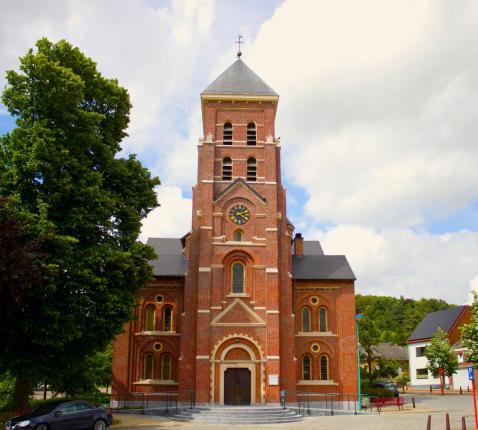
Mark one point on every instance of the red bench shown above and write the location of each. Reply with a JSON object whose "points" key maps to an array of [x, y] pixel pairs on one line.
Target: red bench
{"points": [[379, 402]]}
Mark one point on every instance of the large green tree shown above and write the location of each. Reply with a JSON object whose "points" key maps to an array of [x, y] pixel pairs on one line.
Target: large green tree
{"points": [[441, 355], [470, 334], [369, 337], [61, 162]]}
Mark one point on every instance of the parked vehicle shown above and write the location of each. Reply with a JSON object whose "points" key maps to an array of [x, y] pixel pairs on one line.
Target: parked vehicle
{"points": [[72, 415], [387, 385]]}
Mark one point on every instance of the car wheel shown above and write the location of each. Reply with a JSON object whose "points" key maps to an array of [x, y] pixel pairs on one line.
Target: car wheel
{"points": [[99, 425], [41, 427]]}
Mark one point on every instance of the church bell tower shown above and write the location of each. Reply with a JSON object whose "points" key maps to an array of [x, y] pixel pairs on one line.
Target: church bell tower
{"points": [[237, 344]]}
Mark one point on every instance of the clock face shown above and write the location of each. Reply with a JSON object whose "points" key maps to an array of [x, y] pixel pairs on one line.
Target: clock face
{"points": [[239, 214]]}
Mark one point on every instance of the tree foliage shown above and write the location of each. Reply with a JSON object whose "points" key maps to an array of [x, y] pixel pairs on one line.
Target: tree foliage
{"points": [[61, 163], [470, 334], [396, 318], [369, 337], [441, 355]]}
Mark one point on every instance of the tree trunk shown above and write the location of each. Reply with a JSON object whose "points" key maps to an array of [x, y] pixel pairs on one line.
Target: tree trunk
{"points": [[20, 395]]}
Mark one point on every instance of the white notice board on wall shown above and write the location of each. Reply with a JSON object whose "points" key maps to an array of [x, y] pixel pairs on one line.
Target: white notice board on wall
{"points": [[273, 379]]}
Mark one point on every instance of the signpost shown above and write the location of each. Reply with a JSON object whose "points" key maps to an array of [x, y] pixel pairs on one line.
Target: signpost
{"points": [[471, 377]]}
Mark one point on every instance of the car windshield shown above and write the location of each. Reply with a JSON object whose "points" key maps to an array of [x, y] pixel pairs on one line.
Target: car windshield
{"points": [[46, 408]]}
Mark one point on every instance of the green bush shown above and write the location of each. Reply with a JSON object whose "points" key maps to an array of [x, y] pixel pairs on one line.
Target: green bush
{"points": [[376, 392]]}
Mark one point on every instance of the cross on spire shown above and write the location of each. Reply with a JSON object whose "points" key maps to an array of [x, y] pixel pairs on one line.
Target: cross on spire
{"points": [[239, 41]]}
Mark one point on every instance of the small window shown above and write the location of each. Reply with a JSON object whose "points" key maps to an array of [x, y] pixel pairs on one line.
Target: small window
{"points": [[157, 346], [148, 366], [323, 323], [227, 169], [422, 373], [166, 367], [159, 298], [167, 318], [306, 368], [237, 278], [420, 351], [314, 300], [238, 236], [227, 136], [324, 367], [251, 134], [305, 319], [251, 169], [315, 348], [150, 317]]}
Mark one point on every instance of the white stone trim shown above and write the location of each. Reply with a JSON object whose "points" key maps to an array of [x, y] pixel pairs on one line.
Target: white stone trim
{"points": [[206, 227], [272, 270], [259, 322], [272, 229], [317, 382], [273, 357], [204, 269], [202, 357], [204, 311], [272, 311], [261, 308], [215, 307], [270, 183], [207, 181]]}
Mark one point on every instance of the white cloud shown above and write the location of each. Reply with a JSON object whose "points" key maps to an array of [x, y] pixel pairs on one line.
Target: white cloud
{"points": [[399, 261], [171, 219], [473, 289], [378, 108]]}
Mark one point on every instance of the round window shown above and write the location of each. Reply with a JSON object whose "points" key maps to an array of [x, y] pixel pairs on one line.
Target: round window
{"points": [[315, 347], [314, 300], [157, 346], [159, 298]]}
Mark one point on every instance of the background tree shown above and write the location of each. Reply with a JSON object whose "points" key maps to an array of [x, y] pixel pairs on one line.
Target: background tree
{"points": [[470, 333], [369, 337], [61, 162], [441, 355]]}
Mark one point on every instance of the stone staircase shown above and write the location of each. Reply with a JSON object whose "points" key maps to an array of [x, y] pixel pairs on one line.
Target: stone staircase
{"points": [[238, 415]]}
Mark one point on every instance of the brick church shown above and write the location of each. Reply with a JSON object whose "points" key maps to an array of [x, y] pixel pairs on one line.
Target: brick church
{"points": [[240, 307]]}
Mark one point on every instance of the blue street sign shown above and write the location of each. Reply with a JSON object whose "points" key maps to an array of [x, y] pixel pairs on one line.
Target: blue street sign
{"points": [[471, 374]]}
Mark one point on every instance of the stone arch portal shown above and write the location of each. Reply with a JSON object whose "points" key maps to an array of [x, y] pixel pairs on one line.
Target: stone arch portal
{"points": [[238, 358]]}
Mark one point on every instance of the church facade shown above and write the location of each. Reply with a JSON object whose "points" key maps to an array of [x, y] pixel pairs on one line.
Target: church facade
{"points": [[241, 307]]}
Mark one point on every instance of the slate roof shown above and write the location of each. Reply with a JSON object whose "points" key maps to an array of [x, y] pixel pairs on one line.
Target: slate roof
{"points": [[311, 247], [313, 265], [239, 79], [444, 319], [321, 267], [170, 261]]}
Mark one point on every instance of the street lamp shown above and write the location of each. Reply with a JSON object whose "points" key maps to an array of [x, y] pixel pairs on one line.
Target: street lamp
{"points": [[358, 317]]}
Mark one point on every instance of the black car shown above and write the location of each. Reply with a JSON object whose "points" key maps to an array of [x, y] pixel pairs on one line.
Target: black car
{"points": [[387, 385], [74, 415]]}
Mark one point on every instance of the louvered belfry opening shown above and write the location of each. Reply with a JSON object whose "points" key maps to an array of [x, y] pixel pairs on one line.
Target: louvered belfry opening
{"points": [[251, 134], [227, 135], [251, 169], [227, 169]]}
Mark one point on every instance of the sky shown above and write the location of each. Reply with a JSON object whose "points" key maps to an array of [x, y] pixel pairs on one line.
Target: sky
{"points": [[378, 116]]}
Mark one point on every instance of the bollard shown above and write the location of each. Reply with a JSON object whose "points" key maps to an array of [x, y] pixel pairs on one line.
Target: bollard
{"points": [[447, 422], [431, 389], [468, 388], [413, 402], [461, 391], [463, 423], [429, 422]]}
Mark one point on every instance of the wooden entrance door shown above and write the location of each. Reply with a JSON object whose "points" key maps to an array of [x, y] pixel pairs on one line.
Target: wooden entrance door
{"points": [[237, 386]]}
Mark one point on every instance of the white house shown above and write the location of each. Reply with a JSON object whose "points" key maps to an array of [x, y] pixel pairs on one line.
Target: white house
{"points": [[450, 321]]}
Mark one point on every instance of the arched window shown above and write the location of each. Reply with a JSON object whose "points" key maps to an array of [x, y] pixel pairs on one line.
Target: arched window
{"points": [[251, 134], [150, 316], [306, 368], [227, 169], [227, 135], [148, 366], [167, 318], [305, 319], [238, 236], [251, 169], [323, 323], [166, 367], [324, 367], [237, 278]]}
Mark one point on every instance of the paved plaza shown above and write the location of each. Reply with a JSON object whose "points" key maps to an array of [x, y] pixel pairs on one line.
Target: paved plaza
{"points": [[436, 406]]}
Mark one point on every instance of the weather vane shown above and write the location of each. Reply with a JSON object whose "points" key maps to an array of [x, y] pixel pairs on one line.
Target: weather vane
{"points": [[239, 41]]}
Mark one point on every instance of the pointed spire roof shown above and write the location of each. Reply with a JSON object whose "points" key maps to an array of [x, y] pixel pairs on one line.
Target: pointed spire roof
{"points": [[239, 79]]}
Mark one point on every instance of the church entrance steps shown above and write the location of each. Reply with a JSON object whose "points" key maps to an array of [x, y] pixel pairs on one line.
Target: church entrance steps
{"points": [[238, 415]]}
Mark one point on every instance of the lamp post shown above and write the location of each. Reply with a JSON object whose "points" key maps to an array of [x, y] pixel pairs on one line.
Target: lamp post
{"points": [[358, 317]]}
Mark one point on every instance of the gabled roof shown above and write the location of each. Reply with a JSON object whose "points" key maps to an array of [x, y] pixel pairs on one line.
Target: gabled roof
{"points": [[322, 267], [170, 261], [237, 182], [239, 79], [389, 351], [444, 319]]}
